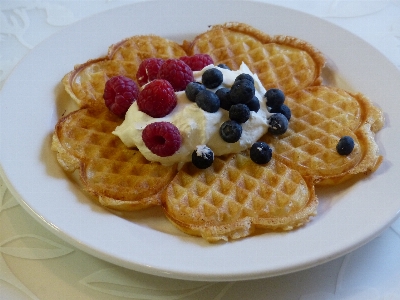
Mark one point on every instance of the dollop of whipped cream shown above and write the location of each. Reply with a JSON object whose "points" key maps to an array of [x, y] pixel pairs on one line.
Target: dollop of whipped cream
{"points": [[196, 126]]}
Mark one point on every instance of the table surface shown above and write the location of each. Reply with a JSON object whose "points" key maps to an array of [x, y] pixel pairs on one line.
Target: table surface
{"points": [[35, 264]]}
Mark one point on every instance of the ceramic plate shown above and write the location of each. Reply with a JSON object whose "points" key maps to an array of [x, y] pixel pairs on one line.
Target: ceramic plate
{"points": [[32, 100]]}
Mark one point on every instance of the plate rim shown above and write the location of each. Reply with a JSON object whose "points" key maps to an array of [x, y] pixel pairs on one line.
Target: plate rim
{"points": [[209, 276]]}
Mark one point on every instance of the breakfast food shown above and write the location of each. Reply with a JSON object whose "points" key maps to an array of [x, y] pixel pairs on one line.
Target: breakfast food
{"points": [[116, 176], [321, 116], [228, 132], [234, 196], [283, 62]]}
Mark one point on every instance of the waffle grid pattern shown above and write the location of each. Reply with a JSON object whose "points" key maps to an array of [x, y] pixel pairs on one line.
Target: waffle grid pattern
{"points": [[107, 166], [235, 191], [321, 116], [278, 66]]}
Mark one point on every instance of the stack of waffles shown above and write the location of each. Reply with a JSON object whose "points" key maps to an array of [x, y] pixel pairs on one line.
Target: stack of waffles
{"points": [[234, 196]]}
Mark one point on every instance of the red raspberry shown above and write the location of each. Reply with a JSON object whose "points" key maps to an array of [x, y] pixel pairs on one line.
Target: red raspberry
{"points": [[198, 61], [119, 93], [148, 70], [177, 73], [157, 99], [162, 138]]}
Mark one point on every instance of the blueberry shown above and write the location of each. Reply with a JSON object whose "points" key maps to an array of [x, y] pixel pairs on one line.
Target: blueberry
{"points": [[283, 109], [275, 98], [192, 89], [212, 78], [254, 104], [242, 91], [260, 153], [224, 66], [239, 113], [224, 98], [278, 124], [230, 131], [245, 76], [202, 157], [208, 101], [345, 145]]}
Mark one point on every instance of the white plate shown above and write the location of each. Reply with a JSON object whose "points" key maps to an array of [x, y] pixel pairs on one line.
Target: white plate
{"points": [[32, 101]]}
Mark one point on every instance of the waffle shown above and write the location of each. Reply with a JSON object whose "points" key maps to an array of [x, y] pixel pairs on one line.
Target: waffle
{"points": [[234, 196], [279, 61], [118, 177], [320, 117], [85, 84]]}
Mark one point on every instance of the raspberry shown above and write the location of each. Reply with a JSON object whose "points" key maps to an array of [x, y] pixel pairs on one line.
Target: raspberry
{"points": [[157, 99], [177, 73], [119, 93], [197, 61], [162, 138], [148, 70]]}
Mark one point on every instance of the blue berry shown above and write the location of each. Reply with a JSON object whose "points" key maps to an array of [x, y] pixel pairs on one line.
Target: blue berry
{"points": [[278, 124], [245, 76], [224, 66], [224, 98], [275, 98], [239, 113], [202, 157], [260, 153], [208, 101], [230, 131], [242, 91], [345, 145], [192, 89], [284, 110], [254, 104], [212, 78]]}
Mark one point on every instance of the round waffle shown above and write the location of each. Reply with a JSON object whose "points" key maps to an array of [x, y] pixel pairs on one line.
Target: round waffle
{"points": [[320, 117], [283, 62], [234, 196]]}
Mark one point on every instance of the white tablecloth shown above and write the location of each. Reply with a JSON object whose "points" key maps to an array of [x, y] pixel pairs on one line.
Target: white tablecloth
{"points": [[35, 264]]}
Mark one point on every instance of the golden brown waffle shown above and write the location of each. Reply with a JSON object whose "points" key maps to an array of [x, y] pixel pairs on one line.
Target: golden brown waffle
{"points": [[234, 196], [85, 84], [119, 177], [279, 61], [320, 117]]}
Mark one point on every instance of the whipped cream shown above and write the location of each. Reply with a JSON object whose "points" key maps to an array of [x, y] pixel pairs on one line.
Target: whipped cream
{"points": [[196, 126]]}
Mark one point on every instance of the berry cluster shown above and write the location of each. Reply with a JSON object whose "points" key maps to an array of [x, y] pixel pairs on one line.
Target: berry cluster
{"points": [[159, 79]]}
